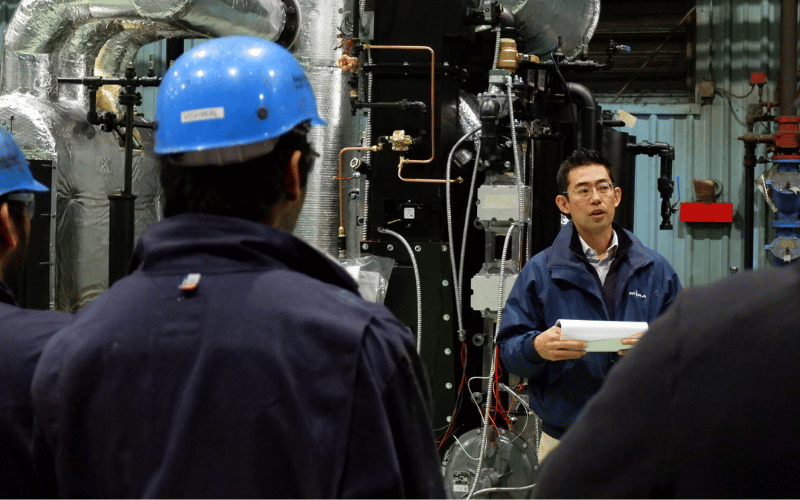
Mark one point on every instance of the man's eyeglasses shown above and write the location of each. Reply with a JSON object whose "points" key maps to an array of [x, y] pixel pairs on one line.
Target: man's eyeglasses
{"points": [[603, 189], [28, 200]]}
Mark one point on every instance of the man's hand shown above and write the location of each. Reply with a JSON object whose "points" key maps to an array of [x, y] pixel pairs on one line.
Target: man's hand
{"points": [[629, 341], [550, 346]]}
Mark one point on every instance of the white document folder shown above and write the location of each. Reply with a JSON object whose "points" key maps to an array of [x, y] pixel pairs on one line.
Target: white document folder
{"points": [[602, 336]]}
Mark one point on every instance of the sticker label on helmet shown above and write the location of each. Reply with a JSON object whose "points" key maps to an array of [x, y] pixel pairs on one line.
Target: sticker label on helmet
{"points": [[203, 114]]}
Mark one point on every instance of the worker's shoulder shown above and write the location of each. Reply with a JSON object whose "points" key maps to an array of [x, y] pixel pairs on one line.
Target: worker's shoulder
{"points": [[332, 301], [754, 288]]}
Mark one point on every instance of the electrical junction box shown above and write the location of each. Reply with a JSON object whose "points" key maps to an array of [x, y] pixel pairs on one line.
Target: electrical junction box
{"points": [[499, 202], [706, 89], [485, 291]]}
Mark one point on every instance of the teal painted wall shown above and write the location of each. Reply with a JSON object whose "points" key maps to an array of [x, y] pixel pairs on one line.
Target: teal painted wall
{"points": [[734, 39]]}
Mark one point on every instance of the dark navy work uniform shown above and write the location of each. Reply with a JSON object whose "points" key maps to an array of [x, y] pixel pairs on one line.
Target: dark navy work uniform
{"points": [[23, 334], [266, 376]]}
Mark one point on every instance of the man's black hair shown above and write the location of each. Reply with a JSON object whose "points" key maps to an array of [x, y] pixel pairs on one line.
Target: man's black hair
{"points": [[581, 158], [246, 190]]}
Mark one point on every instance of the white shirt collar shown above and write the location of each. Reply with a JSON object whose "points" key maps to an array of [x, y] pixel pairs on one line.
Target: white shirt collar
{"points": [[591, 254]]}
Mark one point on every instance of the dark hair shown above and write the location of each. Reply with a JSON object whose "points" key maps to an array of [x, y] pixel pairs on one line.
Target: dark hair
{"points": [[245, 190], [581, 158]]}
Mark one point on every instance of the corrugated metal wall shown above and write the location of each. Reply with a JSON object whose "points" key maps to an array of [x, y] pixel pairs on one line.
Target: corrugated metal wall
{"points": [[734, 39]]}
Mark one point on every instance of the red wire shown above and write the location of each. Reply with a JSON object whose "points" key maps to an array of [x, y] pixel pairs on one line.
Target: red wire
{"points": [[448, 432]]}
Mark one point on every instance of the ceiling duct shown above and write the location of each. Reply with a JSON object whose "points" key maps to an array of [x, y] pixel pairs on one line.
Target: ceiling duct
{"points": [[542, 22], [48, 39]]}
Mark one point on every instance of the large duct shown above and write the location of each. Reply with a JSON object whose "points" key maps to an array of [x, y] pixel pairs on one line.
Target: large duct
{"points": [[542, 22], [48, 39]]}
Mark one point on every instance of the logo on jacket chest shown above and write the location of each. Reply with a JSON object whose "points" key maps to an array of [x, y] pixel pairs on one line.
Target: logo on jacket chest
{"points": [[637, 294]]}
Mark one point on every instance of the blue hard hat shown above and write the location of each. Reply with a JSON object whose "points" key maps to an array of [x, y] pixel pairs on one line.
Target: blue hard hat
{"points": [[231, 91], [15, 172]]}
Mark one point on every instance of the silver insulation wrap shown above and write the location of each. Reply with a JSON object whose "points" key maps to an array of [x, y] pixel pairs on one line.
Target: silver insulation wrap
{"points": [[48, 39], [319, 220], [541, 22]]}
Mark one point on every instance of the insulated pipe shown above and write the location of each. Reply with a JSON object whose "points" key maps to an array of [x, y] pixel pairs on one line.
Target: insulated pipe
{"points": [[41, 28], [543, 24], [104, 49], [788, 71], [51, 39]]}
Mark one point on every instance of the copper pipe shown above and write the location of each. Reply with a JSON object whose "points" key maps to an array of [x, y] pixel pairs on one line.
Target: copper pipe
{"points": [[431, 181], [403, 160]]}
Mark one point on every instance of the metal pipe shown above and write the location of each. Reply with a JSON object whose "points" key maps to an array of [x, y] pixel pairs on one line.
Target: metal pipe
{"points": [[749, 187], [751, 139], [586, 136], [403, 160], [788, 70], [340, 178]]}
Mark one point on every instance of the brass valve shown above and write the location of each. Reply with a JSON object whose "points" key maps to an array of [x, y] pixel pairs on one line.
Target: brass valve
{"points": [[348, 63], [400, 141], [509, 58]]}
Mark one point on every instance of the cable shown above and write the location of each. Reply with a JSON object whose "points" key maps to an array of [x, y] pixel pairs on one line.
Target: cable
{"points": [[500, 287], [449, 213], [485, 439], [367, 143], [731, 94], [492, 490], [365, 218], [573, 113], [459, 396], [459, 273], [654, 53], [463, 448], [496, 49], [471, 193], [416, 280], [515, 149]]}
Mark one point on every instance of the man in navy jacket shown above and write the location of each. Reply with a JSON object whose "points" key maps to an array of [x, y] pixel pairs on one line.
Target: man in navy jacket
{"points": [[594, 270], [705, 407], [24, 332], [235, 360]]}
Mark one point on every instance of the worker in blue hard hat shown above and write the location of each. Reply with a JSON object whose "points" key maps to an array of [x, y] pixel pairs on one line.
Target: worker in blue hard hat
{"points": [[235, 360], [24, 331]]}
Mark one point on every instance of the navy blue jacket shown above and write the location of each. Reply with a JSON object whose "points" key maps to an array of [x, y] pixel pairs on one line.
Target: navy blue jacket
{"points": [[705, 406], [559, 283], [272, 378], [24, 334]]}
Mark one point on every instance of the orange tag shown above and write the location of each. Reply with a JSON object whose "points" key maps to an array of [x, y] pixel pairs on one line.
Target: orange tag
{"points": [[190, 282]]}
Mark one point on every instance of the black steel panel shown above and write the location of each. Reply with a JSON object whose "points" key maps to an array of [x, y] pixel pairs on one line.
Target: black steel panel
{"points": [[440, 349], [33, 290]]}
